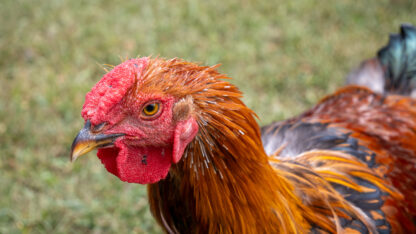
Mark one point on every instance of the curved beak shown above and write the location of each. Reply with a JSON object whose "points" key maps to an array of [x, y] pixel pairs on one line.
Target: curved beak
{"points": [[87, 141]]}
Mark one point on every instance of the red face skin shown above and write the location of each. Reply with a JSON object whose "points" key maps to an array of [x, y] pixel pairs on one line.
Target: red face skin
{"points": [[150, 144]]}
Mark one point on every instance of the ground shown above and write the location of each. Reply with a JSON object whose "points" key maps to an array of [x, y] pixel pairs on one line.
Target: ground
{"points": [[284, 55]]}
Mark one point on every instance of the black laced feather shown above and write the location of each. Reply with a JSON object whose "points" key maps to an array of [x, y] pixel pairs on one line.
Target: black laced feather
{"points": [[302, 137]]}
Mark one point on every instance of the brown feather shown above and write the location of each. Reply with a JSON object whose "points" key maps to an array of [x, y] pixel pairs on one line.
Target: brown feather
{"points": [[387, 126], [226, 183]]}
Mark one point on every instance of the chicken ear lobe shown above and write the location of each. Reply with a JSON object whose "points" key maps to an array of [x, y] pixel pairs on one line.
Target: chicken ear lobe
{"points": [[185, 132]]}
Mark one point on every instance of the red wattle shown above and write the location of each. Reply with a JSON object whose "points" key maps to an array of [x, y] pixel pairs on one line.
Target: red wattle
{"points": [[135, 164]]}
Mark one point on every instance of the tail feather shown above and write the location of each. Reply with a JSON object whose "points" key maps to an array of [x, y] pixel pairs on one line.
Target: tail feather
{"points": [[398, 59], [394, 68]]}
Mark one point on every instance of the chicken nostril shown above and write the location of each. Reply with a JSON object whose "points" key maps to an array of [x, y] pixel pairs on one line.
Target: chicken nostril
{"points": [[87, 124], [99, 127]]}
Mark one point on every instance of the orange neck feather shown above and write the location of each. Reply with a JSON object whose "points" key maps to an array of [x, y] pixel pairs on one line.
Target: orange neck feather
{"points": [[224, 181]]}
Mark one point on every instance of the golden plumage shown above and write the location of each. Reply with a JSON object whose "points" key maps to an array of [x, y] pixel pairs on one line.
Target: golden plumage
{"points": [[227, 183]]}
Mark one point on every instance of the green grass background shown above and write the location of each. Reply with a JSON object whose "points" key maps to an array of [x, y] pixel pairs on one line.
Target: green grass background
{"points": [[284, 55]]}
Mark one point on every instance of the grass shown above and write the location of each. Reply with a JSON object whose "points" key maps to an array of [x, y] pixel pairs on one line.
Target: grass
{"points": [[284, 55]]}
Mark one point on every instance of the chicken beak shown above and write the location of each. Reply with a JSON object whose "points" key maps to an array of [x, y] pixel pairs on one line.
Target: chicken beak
{"points": [[87, 141]]}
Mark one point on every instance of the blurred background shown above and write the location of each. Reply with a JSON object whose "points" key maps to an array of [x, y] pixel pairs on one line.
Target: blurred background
{"points": [[284, 55]]}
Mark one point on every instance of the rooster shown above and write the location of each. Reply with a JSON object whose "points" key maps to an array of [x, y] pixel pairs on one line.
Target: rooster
{"points": [[346, 165]]}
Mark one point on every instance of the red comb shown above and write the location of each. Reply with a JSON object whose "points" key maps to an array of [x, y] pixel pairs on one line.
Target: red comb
{"points": [[111, 89]]}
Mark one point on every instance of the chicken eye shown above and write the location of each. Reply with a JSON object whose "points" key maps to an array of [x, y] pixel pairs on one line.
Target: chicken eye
{"points": [[151, 109]]}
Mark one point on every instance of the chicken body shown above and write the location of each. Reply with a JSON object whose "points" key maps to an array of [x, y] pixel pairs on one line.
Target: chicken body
{"points": [[348, 164], [379, 131]]}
